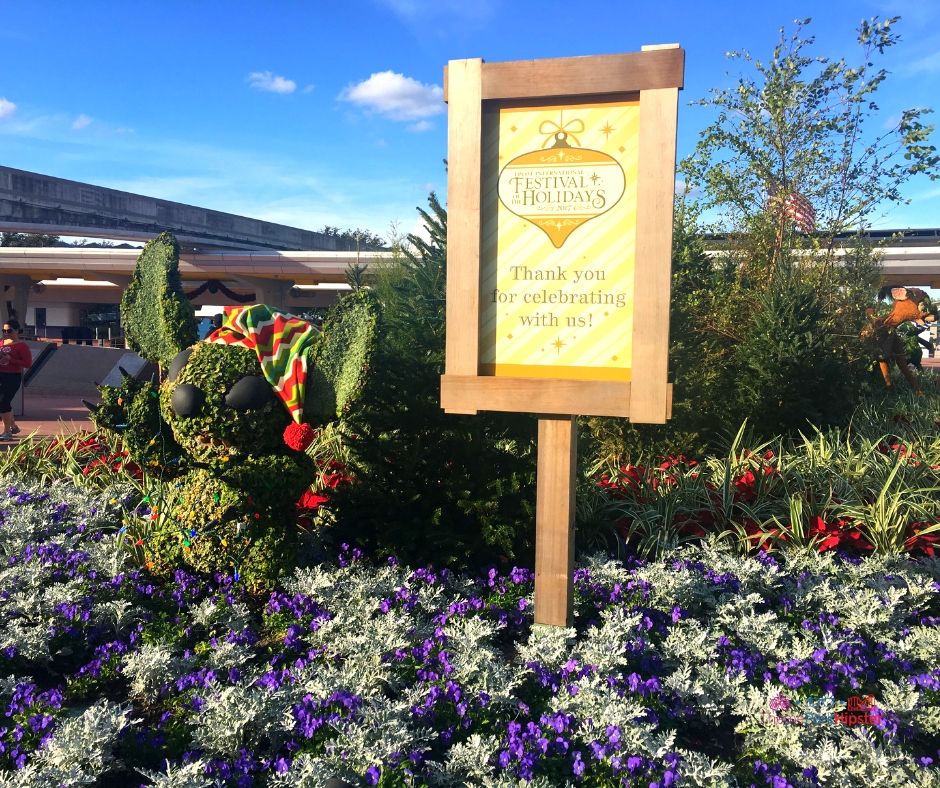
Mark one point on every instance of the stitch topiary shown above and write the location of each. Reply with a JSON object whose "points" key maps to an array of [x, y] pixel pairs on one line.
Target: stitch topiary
{"points": [[224, 404]]}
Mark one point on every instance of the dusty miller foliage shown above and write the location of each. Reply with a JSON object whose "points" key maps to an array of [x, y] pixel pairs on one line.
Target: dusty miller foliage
{"points": [[708, 592]]}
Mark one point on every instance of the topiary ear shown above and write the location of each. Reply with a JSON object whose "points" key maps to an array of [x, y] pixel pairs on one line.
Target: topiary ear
{"points": [[340, 362], [159, 321]]}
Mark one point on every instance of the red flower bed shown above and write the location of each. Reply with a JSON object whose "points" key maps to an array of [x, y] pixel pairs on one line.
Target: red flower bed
{"points": [[639, 483]]}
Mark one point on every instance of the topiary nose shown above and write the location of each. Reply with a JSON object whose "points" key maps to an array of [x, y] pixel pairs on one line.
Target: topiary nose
{"points": [[187, 400]]}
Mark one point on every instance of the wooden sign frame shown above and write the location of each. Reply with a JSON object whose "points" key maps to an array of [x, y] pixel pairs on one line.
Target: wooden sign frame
{"points": [[652, 77], [655, 75]]}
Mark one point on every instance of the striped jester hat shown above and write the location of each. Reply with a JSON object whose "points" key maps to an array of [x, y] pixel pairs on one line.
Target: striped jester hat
{"points": [[280, 341]]}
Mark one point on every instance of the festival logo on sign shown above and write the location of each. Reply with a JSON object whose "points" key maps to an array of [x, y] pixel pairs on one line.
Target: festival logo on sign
{"points": [[558, 240], [561, 188]]}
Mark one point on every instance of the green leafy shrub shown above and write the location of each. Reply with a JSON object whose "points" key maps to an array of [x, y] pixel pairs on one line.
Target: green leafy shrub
{"points": [[790, 371], [238, 523], [158, 319], [431, 486], [870, 487]]}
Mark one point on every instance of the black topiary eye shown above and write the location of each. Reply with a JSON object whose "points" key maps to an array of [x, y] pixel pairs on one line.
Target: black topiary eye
{"points": [[179, 361], [250, 393], [187, 400]]}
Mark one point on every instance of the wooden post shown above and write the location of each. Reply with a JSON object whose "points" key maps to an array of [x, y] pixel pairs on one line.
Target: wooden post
{"points": [[554, 520], [605, 361]]}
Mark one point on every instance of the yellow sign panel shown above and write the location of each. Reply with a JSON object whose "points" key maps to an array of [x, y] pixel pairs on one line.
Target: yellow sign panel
{"points": [[558, 240]]}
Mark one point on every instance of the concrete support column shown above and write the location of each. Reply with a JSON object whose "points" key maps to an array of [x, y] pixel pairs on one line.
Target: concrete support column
{"points": [[17, 295], [273, 292]]}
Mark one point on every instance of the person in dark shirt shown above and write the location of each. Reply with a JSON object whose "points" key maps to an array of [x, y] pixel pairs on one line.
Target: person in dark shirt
{"points": [[14, 358]]}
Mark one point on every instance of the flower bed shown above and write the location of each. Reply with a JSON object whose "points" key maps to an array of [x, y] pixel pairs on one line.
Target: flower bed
{"points": [[832, 491], [705, 668]]}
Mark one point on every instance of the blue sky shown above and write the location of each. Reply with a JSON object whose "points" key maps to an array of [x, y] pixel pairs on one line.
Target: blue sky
{"points": [[314, 113]]}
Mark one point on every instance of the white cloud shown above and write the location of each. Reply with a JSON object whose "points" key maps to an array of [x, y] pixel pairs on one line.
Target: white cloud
{"points": [[7, 108], [421, 125], [396, 96], [271, 82], [81, 121], [925, 65], [930, 194], [420, 229]]}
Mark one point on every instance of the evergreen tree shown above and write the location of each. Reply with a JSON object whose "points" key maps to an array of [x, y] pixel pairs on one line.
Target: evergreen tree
{"points": [[455, 490], [355, 240], [28, 239]]}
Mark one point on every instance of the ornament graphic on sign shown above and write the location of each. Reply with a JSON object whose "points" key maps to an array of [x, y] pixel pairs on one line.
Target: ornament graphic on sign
{"points": [[562, 187]]}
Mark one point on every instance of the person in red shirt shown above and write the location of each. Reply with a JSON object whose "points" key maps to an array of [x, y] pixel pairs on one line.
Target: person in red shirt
{"points": [[14, 358]]}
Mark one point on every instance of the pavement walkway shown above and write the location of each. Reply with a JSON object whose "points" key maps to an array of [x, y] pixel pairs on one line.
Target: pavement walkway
{"points": [[44, 415]]}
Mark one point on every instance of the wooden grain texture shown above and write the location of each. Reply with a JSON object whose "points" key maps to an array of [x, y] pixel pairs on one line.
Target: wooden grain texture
{"points": [[554, 521], [469, 393], [464, 128], [650, 394], [584, 76], [471, 86]]}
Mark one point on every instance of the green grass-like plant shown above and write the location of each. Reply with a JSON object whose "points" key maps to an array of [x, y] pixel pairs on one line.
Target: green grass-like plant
{"points": [[871, 486]]}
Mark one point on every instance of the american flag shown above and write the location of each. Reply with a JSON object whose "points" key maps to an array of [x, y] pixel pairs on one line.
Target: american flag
{"points": [[800, 211]]}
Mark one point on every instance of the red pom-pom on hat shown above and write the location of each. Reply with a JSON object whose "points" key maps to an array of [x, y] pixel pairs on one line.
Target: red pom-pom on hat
{"points": [[298, 436]]}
